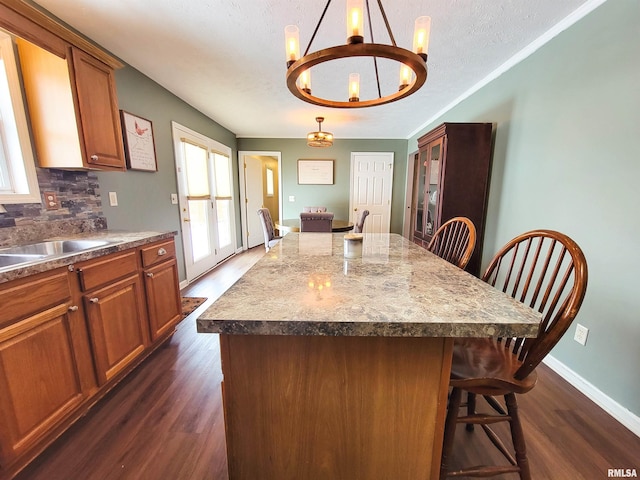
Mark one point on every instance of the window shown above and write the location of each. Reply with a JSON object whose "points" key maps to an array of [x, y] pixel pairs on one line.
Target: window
{"points": [[18, 181]]}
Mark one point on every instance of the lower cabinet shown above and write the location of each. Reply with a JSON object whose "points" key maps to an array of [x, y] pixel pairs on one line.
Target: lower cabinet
{"points": [[45, 369], [117, 324], [69, 335]]}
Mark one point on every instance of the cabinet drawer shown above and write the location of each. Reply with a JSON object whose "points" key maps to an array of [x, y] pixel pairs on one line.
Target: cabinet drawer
{"points": [[107, 269], [23, 298], [157, 252]]}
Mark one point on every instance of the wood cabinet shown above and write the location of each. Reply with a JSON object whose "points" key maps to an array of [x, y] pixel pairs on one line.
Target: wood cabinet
{"points": [[451, 179], [161, 286], [69, 335], [45, 362], [115, 312], [73, 109]]}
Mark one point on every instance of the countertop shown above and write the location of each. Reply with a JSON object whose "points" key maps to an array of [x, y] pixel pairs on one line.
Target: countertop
{"points": [[122, 240], [305, 286]]}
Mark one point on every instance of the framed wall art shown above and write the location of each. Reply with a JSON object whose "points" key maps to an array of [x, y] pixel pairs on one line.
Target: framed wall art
{"points": [[315, 172], [139, 146]]}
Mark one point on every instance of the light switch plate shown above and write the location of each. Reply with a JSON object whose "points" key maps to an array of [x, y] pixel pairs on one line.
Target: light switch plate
{"points": [[174, 199], [292, 198], [113, 199]]}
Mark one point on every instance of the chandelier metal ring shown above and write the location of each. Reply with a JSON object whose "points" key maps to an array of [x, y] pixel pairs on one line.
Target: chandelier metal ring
{"points": [[412, 60]]}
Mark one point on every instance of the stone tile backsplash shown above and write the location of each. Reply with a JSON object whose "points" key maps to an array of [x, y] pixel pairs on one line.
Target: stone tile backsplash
{"points": [[80, 209]]}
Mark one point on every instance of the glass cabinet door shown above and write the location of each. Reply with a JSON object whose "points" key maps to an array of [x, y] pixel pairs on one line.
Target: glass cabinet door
{"points": [[432, 185], [419, 189]]}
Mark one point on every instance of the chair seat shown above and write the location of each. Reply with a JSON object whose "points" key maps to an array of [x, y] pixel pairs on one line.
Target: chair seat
{"points": [[484, 366]]}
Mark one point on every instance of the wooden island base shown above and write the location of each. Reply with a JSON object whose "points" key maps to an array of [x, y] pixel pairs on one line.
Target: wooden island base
{"points": [[321, 407]]}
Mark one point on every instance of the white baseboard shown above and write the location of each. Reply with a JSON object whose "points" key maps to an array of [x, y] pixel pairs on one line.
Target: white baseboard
{"points": [[184, 284], [613, 408]]}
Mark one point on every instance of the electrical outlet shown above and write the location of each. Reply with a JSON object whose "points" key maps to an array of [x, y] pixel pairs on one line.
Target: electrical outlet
{"points": [[113, 199], [581, 334], [292, 198], [51, 201]]}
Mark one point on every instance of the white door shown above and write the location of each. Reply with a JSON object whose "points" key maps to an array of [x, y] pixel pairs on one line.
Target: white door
{"points": [[253, 194], [371, 189], [253, 199], [205, 193]]}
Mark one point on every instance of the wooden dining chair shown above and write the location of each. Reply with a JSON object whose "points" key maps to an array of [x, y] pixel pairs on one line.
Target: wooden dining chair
{"points": [[547, 271], [454, 241]]}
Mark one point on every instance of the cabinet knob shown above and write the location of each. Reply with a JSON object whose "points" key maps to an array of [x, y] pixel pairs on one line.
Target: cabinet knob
{"points": [[150, 275], [162, 251], [73, 308], [71, 268], [94, 300], [94, 158]]}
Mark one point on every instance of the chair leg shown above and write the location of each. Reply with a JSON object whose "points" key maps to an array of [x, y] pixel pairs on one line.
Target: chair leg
{"points": [[455, 399], [471, 409], [518, 436]]}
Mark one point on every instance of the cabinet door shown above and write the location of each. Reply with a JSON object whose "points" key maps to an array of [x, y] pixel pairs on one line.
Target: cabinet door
{"points": [[39, 379], [117, 324], [98, 111], [163, 298], [433, 166]]}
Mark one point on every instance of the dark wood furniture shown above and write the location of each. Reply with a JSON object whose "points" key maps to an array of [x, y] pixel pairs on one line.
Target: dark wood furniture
{"points": [[547, 271], [454, 241], [451, 179]]}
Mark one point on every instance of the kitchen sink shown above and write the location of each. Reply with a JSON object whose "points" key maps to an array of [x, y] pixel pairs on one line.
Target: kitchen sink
{"points": [[54, 247], [24, 254], [9, 260]]}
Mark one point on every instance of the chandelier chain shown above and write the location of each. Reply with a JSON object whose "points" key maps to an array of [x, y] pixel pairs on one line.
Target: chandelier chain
{"points": [[386, 22], [317, 27], [375, 59]]}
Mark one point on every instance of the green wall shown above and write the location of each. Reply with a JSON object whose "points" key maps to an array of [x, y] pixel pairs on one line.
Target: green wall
{"points": [[335, 197], [567, 157], [144, 198]]}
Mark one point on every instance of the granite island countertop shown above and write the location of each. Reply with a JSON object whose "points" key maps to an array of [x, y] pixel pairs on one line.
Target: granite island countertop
{"points": [[119, 240], [305, 286]]}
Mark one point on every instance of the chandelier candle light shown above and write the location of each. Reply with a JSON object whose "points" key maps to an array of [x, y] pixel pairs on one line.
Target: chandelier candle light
{"points": [[413, 64]]}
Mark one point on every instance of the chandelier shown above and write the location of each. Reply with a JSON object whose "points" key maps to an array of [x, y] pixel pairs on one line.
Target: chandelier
{"points": [[413, 64], [320, 138]]}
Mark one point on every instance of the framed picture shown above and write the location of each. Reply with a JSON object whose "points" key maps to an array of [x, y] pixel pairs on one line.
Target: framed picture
{"points": [[139, 147], [315, 172]]}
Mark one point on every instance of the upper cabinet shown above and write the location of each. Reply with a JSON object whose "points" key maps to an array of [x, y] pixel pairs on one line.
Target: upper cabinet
{"points": [[70, 91], [451, 179]]}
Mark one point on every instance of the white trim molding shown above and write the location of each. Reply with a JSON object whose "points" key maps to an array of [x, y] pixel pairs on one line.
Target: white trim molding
{"points": [[543, 39], [609, 405]]}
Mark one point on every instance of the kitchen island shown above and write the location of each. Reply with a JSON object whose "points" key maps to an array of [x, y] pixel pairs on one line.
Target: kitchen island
{"points": [[338, 368]]}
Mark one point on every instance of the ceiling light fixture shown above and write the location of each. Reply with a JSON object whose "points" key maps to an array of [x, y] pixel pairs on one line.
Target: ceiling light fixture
{"points": [[320, 138], [413, 64]]}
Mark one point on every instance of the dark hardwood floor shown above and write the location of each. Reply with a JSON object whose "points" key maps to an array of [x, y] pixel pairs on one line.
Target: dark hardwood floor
{"points": [[165, 420]]}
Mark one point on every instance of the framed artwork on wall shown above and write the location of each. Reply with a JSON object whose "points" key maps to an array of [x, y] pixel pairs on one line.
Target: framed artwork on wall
{"points": [[315, 172], [139, 146]]}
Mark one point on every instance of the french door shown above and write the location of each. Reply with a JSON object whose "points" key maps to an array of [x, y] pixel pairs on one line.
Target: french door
{"points": [[205, 194]]}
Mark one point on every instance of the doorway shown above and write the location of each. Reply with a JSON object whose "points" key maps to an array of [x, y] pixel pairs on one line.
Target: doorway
{"points": [[205, 198], [371, 189], [260, 186]]}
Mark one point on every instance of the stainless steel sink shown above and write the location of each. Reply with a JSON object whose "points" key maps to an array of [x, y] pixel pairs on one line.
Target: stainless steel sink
{"points": [[9, 260], [24, 254], [54, 247]]}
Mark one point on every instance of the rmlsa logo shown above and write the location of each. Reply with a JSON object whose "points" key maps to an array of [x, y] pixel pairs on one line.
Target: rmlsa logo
{"points": [[622, 473]]}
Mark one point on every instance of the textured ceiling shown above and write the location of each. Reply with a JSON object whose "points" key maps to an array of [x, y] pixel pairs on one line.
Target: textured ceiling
{"points": [[226, 57]]}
